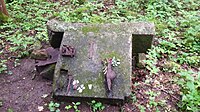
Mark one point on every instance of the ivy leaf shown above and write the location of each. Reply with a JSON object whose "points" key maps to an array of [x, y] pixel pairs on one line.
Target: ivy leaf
{"points": [[51, 104], [68, 107], [189, 77], [190, 85], [78, 103], [52, 109], [57, 105], [93, 101], [57, 110]]}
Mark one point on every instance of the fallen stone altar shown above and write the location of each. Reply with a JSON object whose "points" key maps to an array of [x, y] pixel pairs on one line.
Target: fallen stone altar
{"points": [[96, 60]]}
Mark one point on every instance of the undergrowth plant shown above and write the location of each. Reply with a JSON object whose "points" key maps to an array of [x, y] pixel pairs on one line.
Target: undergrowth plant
{"points": [[54, 107], [96, 106], [190, 83], [25, 27], [74, 106], [3, 66], [177, 26]]}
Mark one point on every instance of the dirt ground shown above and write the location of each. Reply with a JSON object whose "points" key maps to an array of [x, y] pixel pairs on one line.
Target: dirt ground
{"points": [[19, 92], [22, 94]]}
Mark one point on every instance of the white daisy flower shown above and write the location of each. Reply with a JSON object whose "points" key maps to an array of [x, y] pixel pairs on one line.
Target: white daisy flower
{"points": [[75, 82], [80, 91]]}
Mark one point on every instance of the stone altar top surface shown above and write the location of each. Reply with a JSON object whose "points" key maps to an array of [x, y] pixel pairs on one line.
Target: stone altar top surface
{"points": [[93, 44], [145, 28]]}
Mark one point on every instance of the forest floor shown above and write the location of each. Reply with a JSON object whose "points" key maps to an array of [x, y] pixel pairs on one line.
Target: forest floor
{"points": [[21, 93]]}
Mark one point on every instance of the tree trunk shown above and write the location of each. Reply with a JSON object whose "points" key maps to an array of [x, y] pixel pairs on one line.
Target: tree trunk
{"points": [[3, 7]]}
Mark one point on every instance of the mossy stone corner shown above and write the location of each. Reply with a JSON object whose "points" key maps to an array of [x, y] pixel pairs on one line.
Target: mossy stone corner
{"points": [[94, 43]]}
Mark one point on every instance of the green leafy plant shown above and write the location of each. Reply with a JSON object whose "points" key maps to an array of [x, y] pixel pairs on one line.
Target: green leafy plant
{"points": [[141, 108], [3, 66], [190, 84], [25, 25], [133, 97], [96, 106], [74, 106], [10, 110], [178, 44], [68, 107], [54, 107], [152, 96]]}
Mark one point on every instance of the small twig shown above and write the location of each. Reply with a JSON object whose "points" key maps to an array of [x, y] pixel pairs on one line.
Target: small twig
{"points": [[34, 74], [169, 94], [69, 82], [163, 91], [142, 95], [33, 77]]}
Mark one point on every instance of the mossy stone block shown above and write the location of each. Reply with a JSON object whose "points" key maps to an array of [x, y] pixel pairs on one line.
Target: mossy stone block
{"points": [[94, 43], [92, 47]]}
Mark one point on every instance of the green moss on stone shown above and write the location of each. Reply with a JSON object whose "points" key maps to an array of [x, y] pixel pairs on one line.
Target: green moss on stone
{"points": [[93, 28], [97, 82], [3, 17], [110, 55]]}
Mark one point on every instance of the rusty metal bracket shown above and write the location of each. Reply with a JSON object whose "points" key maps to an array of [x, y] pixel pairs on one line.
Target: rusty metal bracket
{"points": [[70, 78], [53, 57], [67, 50], [110, 76]]}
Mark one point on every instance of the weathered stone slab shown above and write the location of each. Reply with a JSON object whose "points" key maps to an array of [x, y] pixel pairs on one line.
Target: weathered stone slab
{"points": [[142, 32], [93, 44], [56, 30]]}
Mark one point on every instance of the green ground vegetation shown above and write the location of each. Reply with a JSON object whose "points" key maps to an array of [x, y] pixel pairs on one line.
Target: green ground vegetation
{"points": [[177, 33]]}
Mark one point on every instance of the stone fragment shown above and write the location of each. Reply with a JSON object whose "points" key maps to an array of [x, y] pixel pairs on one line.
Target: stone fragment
{"points": [[56, 30], [141, 63], [52, 57], [39, 54], [36, 46], [45, 61], [48, 71], [67, 51]]}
